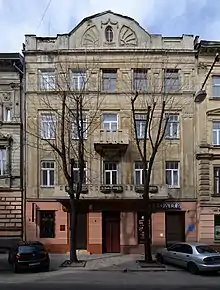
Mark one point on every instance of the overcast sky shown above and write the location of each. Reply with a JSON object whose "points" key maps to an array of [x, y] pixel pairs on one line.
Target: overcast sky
{"points": [[167, 17]]}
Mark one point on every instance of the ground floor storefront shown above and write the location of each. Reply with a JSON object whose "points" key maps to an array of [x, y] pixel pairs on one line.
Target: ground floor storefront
{"points": [[110, 225]]}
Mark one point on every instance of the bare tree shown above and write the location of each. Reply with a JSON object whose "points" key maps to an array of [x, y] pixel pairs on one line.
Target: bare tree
{"points": [[69, 102]]}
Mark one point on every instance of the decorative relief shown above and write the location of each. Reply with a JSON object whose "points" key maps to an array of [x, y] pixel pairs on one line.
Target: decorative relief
{"points": [[91, 37], [109, 22], [5, 96], [127, 37]]}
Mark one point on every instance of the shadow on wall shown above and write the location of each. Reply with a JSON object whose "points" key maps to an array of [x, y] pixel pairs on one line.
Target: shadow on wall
{"points": [[128, 231]]}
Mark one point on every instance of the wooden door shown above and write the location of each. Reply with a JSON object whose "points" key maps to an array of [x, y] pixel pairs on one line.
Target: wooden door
{"points": [[111, 232], [175, 227]]}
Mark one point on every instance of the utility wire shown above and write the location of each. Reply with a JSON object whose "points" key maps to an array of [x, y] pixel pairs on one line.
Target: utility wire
{"points": [[44, 14]]}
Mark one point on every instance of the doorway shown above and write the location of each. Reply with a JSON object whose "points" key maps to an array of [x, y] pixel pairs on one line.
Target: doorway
{"points": [[111, 232], [175, 227]]}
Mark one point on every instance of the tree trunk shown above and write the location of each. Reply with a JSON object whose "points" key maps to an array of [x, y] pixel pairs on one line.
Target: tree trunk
{"points": [[147, 232], [73, 225]]}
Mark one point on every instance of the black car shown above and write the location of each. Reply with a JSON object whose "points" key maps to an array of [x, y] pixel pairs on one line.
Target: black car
{"points": [[28, 255]]}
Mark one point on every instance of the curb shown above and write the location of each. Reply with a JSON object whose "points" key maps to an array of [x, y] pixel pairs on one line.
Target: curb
{"points": [[125, 270]]}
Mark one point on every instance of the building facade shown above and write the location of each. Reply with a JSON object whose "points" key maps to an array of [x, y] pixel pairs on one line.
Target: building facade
{"points": [[207, 145], [111, 57], [11, 148]]}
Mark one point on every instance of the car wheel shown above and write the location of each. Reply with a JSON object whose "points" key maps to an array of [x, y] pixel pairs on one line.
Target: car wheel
{"points": [[159, 258], [46, 268], [192, 268]]}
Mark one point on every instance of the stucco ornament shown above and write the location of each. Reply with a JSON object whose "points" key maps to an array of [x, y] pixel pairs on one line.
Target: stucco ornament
{"points": [[91, 37], [127, 37]]}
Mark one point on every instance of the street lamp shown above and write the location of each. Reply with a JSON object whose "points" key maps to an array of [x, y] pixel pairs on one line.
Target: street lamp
{"points": [[201, 94]]}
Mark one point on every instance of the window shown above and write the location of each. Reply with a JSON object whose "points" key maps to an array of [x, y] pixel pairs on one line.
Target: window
{"points": [[47, 80], [217, 180], [109, 80], [171, 81], [78, 80], [109, 34], [216, 133], [140, 80], [3, 164], [172, 129], [217, 227], [139, 173], [181, 248], [110, 122], [48, 126], [140, 124], [76, 173], [216, 86], [110, 173], [47, 223], [47, 173], [172, 174], [6, 114], [82, 127]]}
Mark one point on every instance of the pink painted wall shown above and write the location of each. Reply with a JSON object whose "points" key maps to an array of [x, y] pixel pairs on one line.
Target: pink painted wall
{"points": [[128, 228], [158, 228], [32, 230]]}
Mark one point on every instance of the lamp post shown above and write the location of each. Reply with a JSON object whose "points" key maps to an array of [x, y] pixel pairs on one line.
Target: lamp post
{"points": [[201, 94]]}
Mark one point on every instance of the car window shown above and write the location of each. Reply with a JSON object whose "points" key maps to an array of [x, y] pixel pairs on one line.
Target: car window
{"points": [[175, 248], [186, 249], [30, 248], [205, 250]]}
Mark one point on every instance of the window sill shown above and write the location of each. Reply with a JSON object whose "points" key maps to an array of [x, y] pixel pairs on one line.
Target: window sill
{"points": [[47, 186], [172, 138], [4, 176], [45, 139], [173, 187], [214, 98], [77, 139], [215, 195]]}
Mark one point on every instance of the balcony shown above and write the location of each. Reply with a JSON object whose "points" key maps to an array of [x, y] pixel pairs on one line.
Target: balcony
{"points": [[106, 141]]}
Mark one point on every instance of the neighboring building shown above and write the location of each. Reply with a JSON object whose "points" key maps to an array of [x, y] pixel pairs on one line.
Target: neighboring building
{"points": [[11, 148], [208, 144], [116, 55]]}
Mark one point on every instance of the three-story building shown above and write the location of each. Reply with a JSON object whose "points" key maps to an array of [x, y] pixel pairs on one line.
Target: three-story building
{"points": [[111, 57]]}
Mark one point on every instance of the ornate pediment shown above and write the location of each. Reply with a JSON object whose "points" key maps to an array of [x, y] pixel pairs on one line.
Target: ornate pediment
{"points": [[127, 37], [213, 112], [91, 37]]}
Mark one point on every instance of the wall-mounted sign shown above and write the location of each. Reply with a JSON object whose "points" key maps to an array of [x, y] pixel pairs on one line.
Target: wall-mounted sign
{"points": [[169, 205], [140, 220]]}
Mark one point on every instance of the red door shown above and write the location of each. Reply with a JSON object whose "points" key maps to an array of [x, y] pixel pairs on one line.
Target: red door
{"points": [[111, 232]]}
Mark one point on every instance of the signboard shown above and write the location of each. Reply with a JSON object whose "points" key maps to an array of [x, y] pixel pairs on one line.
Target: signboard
{"points": [[168, 205], [140, 220]]}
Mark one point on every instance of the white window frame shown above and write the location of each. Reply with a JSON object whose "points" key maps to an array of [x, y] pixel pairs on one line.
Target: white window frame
{"points": [[110, 171], [3, 161], [45, 80], [141, 171], [172, 170], [47, 169], [7, 114], [141, 119], [75, 135], [76, 169], [215, 85], [78, 80], [110, 122], [50, 120], [170, 130], [109, 72], [217, 133]]}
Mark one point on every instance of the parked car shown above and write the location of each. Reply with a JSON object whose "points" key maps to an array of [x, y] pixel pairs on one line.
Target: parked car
{"points": [[195, 257], [27, 255]]}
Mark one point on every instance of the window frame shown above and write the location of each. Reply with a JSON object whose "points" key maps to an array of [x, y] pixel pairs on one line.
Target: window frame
{"points": [[137, 76], [110, 171], [172, 170], [49, 73], [3, 161], [4, 114], [216, 179], [171, 134], [52, 134], [42, 232], [106, 72], [170, 76], [215, 86], [76, 169], [74, 130], [78, 75], [141, 171], [217, 133], [110, 122], [48, 170], [109, 37], [142, 122]]}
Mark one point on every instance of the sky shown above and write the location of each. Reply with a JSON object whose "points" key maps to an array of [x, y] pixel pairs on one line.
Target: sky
{"points": [[51, 17]]}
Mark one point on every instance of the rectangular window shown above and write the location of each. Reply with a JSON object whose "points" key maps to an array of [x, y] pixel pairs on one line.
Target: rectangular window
{"points": [[172, 129], [7, 114], [110, 173], [109, 80], [140, 80], [216, 86], [48, 126], [47, 223], [217, 180], [76, 173], [47, 173], [217, 227], [140, 124], [76, 125], [3, 164], [110, 122], [138, 173], [216, 133], [78, 80], [172, 174], [48, 80], [171, 81]]}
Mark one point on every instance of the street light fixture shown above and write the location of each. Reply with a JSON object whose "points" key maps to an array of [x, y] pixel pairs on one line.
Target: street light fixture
{"points": [[201, 94]]}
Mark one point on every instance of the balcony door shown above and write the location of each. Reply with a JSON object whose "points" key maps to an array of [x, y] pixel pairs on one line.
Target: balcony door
{"points": [[110, 173]]}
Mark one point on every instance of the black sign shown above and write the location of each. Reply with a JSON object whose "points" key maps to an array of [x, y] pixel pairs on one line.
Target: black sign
{"points": [[140, 219]]}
